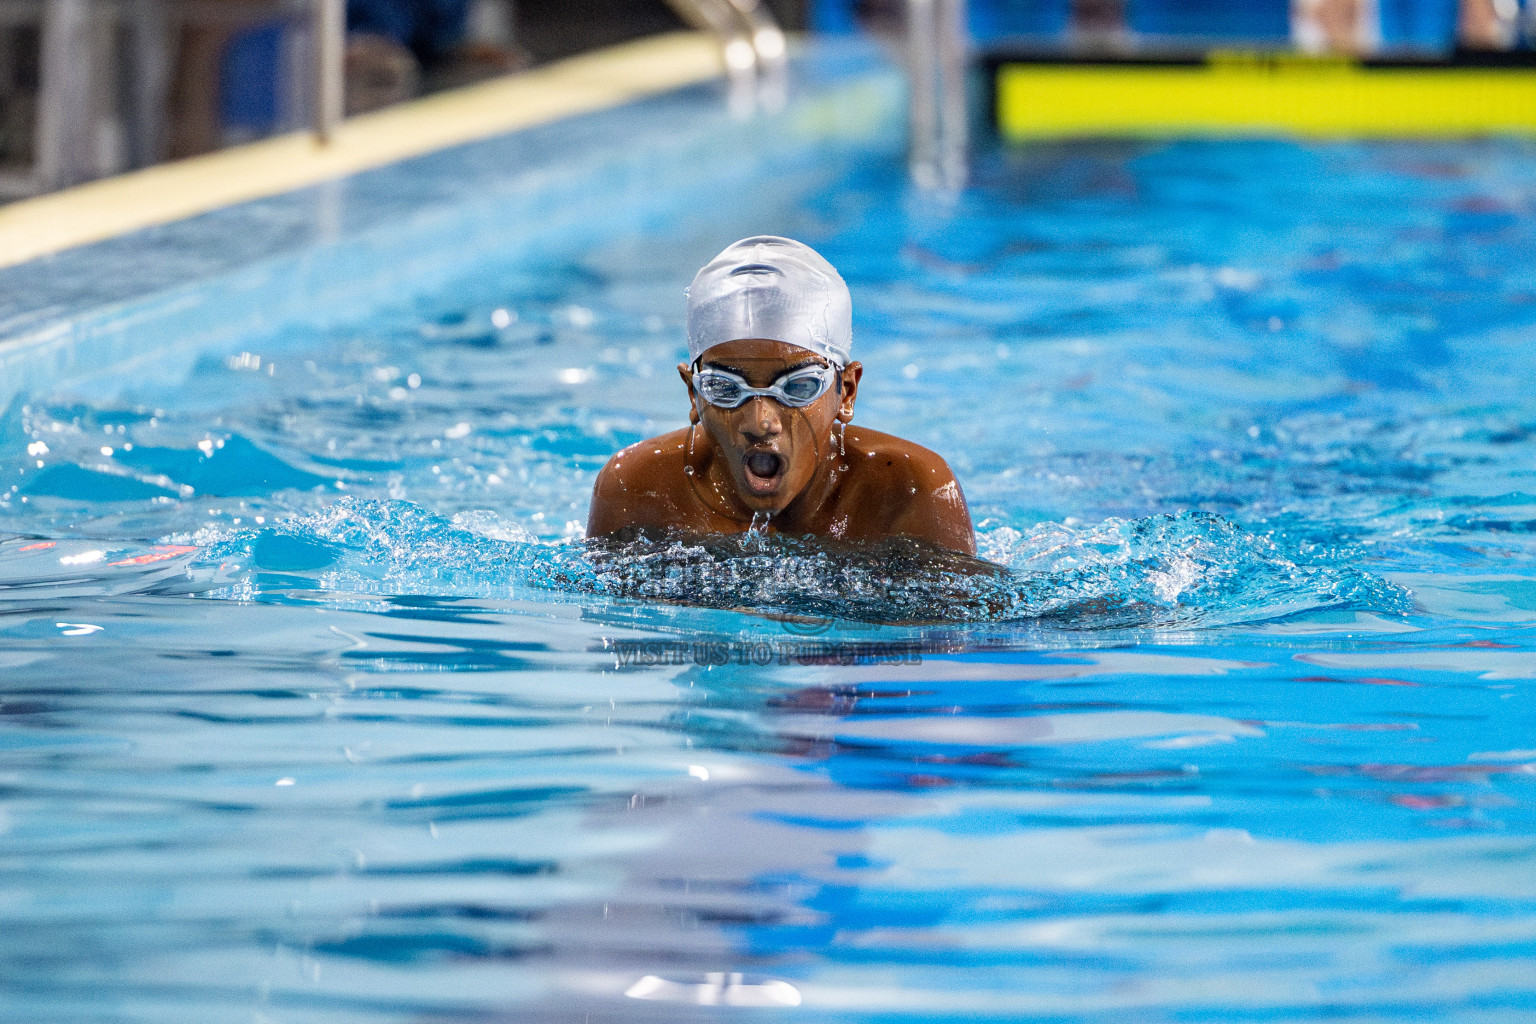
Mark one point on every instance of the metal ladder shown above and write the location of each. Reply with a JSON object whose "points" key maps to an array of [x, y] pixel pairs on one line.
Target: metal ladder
{"points": [[938, 55], [751, 45]]}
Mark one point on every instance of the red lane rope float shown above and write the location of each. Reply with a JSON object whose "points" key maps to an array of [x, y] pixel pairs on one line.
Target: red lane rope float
{"points": [[162, 553]]}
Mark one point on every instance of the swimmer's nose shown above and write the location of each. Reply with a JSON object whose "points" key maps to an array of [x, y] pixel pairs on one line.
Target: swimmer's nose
{"points": [[762, 419]]}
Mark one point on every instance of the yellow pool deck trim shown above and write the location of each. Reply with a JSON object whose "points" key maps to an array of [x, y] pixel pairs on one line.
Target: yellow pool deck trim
{"points": [[170, 192], [1249, 95]]}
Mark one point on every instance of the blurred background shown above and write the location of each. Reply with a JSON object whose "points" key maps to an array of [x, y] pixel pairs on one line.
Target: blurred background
{"points": [[136, 82]]}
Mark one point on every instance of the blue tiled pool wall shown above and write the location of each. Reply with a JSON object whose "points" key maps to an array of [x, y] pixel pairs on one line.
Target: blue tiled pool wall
{"points": [[311, 260]]}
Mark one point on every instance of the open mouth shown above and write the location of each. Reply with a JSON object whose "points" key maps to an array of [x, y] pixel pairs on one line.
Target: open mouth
{"points": [[763, 470]]}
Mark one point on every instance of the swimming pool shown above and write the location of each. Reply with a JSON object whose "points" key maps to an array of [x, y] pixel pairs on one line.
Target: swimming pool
{"points": [[315, 710]]}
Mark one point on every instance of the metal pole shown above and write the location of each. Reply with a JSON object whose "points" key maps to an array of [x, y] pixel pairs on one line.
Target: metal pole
{"points": [[923, 100], [149, 35], [65, 146], [329, 32], [954, 111], [937, 60]]}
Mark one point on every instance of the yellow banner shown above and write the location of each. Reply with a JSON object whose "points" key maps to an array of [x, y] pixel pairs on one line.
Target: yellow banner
{"points": [[1251, 94]]}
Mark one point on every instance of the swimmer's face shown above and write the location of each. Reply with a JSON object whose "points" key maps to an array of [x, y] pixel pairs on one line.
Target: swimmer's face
{"points": [[772, 452]]}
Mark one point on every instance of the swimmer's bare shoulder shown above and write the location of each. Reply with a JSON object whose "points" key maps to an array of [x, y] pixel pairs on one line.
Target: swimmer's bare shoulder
{"points": [[898, 488], [636, 491], [894, 488]]}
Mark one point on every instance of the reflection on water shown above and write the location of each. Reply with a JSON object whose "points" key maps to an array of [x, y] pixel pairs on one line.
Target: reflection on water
{"points": [[454, 807], [315, 707]]}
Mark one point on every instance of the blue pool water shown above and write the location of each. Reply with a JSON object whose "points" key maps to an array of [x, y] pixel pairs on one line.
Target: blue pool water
{"points": [[315, 708]]}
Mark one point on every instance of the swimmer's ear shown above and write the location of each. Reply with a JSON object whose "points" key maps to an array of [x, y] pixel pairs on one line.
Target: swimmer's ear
{"points": [[686, 372], [850, 377]]}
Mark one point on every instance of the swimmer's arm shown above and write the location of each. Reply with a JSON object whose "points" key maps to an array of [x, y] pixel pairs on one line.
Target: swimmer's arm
{"points": [[936, 512]]}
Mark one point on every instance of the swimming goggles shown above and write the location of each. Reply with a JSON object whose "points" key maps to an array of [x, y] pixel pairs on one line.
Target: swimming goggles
{"points": [[725, 390]]}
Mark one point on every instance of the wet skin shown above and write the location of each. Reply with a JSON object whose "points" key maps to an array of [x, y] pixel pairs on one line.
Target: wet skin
{"points": [[805, 470]]}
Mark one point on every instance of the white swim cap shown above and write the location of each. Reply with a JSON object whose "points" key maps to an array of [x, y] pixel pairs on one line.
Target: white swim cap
{"points": [[774, 288]]}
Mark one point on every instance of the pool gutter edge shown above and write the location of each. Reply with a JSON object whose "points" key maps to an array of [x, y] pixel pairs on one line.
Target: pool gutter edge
{"points": [[170, 192]]}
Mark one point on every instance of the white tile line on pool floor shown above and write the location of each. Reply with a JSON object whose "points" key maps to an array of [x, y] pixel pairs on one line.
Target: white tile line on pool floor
{"points": [[171, 192]]}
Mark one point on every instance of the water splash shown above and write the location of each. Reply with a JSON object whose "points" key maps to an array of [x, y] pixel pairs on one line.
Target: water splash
{"points": [[1186, 569]]}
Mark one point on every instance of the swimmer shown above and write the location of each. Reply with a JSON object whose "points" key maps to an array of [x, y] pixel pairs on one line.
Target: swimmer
{"points": [[769, 446]]}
